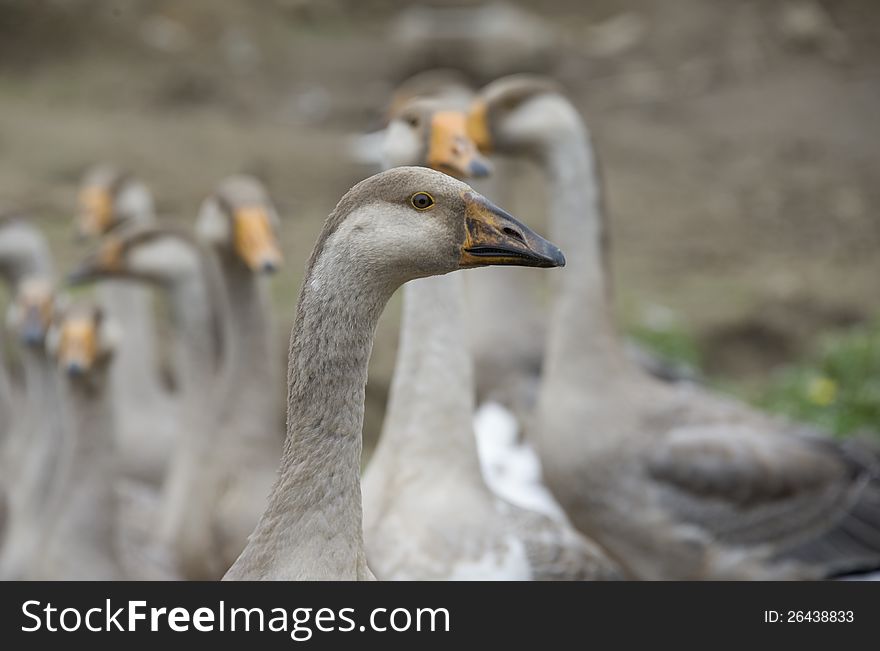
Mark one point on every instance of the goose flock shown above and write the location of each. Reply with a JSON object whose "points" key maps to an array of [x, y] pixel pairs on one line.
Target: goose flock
{"points": [[142, 424]]}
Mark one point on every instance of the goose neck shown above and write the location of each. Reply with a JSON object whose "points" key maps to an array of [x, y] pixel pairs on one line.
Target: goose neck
{"points": [[92, 417], [314, 511], [252, 362], [135, 362], [582, 336], [431, 403], [195, 333], [40, 381]]}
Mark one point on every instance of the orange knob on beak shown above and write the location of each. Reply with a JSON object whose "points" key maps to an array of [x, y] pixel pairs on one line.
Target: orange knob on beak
{"points": [[95, 211], [254, 240], [451, 150]]}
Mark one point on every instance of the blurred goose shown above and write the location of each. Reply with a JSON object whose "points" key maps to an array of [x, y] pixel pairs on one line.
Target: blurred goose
{"points": [[113, 200], [35, 446], [675, 482], [484, 39], [81, 541], [433, 133], [24, 253], [428, 513], [174, 262], [450, 86], [452, 524], [399, 225], [240, 223]]}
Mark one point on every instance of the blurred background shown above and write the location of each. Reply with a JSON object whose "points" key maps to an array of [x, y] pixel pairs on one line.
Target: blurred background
{"points": [[739, 142]]}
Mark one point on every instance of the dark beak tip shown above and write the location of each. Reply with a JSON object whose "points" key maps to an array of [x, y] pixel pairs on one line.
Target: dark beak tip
{"points": [[558, 258], [479, 169], [32, 338]]}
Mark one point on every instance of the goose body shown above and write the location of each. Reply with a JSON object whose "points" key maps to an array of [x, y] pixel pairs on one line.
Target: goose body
{"points": [[176, 264], [113, 200], [239, 223], [399, 225], [24, 253], [675, 482], [509, 462], [81, 543], [37, 441], [427, 512]]}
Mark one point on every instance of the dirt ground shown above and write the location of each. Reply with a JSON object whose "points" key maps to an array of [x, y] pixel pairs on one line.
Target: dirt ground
{"points": [[739, 140]]}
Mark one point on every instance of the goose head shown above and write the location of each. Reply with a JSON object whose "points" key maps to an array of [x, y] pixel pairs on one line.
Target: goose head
{"points": [[109, 198], [446, 84], [521, 115], [412, 222], [240, 221], [23, 250], [82, 340], [160, 256], [427, 132], [32, 310]]}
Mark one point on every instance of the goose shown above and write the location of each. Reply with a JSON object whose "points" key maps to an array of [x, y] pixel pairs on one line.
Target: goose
{"points": [[114, 200], [483, 39], [450, 86], [177, 264], [433, 133], [81, 541], [240, 224], [428, 513], [452, 525], [24, 253], [34, 450], [674, 481], [428, 131], [396, 226]]}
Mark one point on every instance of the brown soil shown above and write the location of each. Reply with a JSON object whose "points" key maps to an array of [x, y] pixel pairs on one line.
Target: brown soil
{"points": [[741, 151]]}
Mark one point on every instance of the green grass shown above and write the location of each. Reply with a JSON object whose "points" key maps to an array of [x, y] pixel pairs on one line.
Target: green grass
{"points": [[670, 342], [836, 388]]}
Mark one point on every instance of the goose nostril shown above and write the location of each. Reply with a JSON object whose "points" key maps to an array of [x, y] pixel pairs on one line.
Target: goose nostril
{"points": [[514, 234]]}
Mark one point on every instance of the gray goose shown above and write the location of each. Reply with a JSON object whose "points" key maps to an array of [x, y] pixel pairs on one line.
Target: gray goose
{"points": [[82, 541], [113, 200], [674, 481], [178, 265], [24, 253], [428, 513], [240, 224], [34, 451], [397, 226]]}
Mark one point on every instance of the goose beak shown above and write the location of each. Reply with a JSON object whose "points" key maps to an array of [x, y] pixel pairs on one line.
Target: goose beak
{"points": [[478, 126], [34, 328], [77, 347], [493, 237], [95, 212], [254, 240], [451, 150]]}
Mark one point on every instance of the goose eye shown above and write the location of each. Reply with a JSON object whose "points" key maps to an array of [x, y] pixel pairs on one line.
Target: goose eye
{"points": [[421, 201], [412, 121], [510, 103]]}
